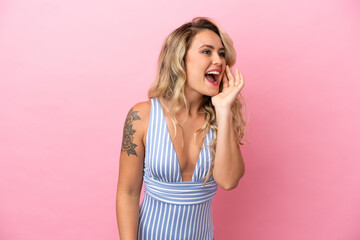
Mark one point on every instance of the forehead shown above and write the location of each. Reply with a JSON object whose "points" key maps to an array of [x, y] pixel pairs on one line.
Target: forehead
{"points": [[206, 37]]}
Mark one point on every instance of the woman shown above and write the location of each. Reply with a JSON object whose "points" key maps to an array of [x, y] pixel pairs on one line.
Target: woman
{"points": [[184, 141]]}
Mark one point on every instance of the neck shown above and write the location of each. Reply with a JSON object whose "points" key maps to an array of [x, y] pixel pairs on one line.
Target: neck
{"points": [[194, 100]]}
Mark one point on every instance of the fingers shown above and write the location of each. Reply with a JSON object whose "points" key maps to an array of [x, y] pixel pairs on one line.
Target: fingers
{"points": [[225, 81], [237, 77], [230, 76], [238, 81]]}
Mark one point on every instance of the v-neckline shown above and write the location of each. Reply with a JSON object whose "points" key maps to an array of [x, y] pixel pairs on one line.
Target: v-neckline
{"points": [[173, 147]]}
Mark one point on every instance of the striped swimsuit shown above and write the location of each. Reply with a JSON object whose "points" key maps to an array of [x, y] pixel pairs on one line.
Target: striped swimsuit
{"points": [[172, 209]]}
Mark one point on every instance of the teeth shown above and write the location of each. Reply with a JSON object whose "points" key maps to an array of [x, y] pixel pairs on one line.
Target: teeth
{"points": [[213, 72]]}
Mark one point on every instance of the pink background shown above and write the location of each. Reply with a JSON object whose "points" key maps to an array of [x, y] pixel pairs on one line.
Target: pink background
{"points": [[70, 71]]}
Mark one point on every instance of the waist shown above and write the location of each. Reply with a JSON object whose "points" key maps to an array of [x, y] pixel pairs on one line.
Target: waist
{"points": [[181, 193]]}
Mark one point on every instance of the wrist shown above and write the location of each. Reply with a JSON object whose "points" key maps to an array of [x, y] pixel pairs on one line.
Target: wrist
{"points": [[223, 113]]}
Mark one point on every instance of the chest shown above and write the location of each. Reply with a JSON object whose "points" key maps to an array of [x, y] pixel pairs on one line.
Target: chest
{"points": [[181, 157], [186, 143]]}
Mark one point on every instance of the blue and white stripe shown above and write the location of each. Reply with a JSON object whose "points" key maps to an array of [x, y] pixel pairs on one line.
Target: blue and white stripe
{"points": [[181, 193], [171, 208]]}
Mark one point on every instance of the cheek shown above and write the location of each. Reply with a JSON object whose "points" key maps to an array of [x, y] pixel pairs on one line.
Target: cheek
{"points": [[223, 68], [195, 69]]}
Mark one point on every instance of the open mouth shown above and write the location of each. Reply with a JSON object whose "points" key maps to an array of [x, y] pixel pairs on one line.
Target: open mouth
{"points": [[212, 77]]}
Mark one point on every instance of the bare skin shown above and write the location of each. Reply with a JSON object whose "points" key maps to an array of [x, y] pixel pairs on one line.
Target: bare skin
{"points": [[131, 170], [187, 155], [229, 165]]}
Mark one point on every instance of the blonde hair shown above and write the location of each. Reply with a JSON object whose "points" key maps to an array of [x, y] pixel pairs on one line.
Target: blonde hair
{"points": [[170, 80]]}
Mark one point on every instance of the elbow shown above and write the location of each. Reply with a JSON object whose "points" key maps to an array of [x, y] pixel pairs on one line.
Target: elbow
{"points": [[230, 185]]}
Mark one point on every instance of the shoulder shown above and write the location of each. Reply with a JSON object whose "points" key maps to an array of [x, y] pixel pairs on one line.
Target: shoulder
{"points": [[142, 109], [138, 117]]}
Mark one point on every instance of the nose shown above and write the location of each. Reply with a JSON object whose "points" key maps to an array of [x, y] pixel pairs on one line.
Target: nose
{"points": [[216, 59]]}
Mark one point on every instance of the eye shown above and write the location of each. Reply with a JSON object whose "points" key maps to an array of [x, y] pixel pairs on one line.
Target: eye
{"points": [[222, 54], [206, 51]]}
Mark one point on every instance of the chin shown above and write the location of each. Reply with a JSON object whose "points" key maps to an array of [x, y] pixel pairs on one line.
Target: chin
{"points": [[211, 93]]}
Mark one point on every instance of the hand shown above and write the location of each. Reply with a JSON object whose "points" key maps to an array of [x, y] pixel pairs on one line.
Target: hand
{"points": [[231, 88]]}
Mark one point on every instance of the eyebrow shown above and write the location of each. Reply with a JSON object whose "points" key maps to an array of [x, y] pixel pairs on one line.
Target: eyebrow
{"points": [[212, 47]]}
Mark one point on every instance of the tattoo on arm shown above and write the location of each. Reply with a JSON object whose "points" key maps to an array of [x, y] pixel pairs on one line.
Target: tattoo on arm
{"points": [[128, 144]]}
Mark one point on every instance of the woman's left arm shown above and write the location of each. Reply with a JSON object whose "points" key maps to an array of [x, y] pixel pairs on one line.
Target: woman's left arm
{"points": [[229, 165]]}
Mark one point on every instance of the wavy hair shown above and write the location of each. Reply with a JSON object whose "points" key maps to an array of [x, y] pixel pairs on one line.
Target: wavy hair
{"points": [[170, 80]]}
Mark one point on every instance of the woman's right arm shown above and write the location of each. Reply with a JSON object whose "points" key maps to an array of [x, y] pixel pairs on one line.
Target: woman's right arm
{"points": [[131, 171]]}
